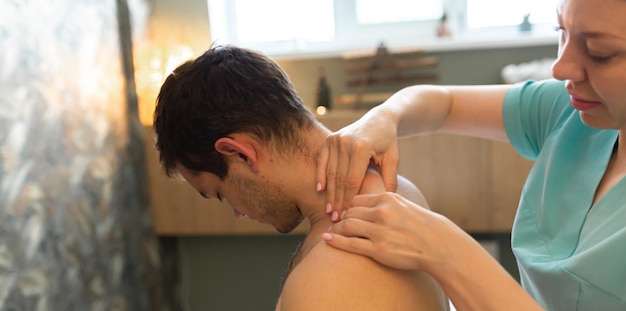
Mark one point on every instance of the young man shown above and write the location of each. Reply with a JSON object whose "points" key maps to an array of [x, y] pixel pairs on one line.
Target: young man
{"points": [[232, 125]]}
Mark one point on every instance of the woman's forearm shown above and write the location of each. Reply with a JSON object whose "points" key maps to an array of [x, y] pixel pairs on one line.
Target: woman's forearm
{"points": [[466, 110], [416, 110], [474, 280]]}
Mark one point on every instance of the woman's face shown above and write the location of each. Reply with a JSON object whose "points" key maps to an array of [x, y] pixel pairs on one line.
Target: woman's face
{"points": [[592, 59]]}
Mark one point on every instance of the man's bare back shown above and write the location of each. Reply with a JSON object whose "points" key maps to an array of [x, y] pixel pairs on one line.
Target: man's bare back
{"points": [[324, 278]]}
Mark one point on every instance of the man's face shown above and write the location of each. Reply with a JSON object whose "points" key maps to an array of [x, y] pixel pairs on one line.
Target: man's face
{"points": [[248, 195]]}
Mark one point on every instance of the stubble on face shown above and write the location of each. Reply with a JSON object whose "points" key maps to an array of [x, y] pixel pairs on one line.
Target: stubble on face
{"points": [[266, 202]]}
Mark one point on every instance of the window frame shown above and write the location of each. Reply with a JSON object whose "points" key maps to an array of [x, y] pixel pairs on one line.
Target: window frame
{"points": [[350, 36]]}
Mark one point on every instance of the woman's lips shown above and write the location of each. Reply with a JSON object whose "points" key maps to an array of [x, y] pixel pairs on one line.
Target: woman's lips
{"points": [[582, 105]]}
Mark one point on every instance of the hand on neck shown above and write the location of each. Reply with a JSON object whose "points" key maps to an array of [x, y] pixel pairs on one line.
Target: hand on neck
{"points": [[300, 180]]}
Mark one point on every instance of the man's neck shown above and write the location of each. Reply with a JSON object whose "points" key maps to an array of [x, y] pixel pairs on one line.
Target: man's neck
{"points": [[300, 179], [301, 184]]}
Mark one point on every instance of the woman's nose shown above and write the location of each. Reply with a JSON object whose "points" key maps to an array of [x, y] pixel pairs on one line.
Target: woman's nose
{"points": [[569, 64]]}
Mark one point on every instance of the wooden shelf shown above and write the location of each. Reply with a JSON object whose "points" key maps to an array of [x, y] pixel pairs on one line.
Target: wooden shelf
{"points": [[425, 61], [381, 71]]}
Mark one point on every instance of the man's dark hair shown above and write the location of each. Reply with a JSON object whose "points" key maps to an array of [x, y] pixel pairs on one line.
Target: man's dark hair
{"points": [[225, 90]]}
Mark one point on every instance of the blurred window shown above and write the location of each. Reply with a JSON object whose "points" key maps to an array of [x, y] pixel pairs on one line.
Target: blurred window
{"points": [[480, 13], [287, 27]]}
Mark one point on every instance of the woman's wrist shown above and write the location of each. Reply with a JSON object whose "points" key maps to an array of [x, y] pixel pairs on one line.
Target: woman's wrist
{"points": [[474, 280], [383, 114]]}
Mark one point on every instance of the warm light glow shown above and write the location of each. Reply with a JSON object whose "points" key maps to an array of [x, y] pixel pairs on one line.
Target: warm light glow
{"points": [[321, 110], [152, 66]]}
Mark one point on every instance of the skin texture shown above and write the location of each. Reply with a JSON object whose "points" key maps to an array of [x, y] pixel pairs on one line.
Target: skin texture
{"points": [[231, 124], [592, 61], [270, 187], [353, 282]]}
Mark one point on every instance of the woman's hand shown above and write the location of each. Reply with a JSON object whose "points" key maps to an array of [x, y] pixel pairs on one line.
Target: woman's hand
{"points": [[402, 235], [347, 153], [393, 231]]}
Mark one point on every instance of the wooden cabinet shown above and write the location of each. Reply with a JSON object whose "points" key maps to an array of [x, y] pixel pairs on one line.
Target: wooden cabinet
{"points": [[474, 182]]}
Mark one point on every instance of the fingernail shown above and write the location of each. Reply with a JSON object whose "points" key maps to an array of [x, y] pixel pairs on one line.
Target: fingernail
{"points": [[329, 208], [327, 236], [319, 186], [335, 216], [343, 214]]}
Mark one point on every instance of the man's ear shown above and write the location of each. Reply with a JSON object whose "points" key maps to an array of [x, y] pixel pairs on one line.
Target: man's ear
{"points": [[238, 150]]}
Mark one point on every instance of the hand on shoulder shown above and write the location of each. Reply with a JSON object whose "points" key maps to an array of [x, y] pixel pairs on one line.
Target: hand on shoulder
{"points": [[330, 279]]}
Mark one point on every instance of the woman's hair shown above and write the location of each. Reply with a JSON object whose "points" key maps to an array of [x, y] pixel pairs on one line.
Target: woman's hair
{"points": [[226, 90]]}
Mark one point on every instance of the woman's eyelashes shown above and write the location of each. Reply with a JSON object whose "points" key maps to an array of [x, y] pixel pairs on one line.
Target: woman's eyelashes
{"points": [[600, 59], [599, 56]]}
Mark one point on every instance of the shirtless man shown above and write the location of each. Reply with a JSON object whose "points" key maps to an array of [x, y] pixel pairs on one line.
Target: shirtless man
{"points": [[232, 125]]}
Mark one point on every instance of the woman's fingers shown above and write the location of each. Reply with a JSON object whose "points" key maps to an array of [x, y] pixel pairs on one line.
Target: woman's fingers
{"points": [[362, 233], [394, 231], [389, 169], [346, 161], [320, 167], [363, 203], [352, 235], [354, 245], [371, 215], [343, 163], [331, 173], [367, 200], [359, 154]]}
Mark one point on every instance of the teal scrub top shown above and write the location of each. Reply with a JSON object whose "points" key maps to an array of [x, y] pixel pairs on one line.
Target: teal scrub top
{"points": [[571, 255]]}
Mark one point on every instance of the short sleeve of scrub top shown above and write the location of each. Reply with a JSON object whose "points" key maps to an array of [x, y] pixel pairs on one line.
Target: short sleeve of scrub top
{"points": [[571, 252]]}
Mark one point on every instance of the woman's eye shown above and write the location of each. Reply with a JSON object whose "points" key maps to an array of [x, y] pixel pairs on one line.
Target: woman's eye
{"points": [[600, 58]]}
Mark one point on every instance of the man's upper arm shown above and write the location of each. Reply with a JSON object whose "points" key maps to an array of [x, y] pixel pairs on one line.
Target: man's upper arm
{"points": [[329, 279]]}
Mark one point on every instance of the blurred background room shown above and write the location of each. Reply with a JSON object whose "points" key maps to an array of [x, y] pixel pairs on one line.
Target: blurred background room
{"points": [[88, 220]]}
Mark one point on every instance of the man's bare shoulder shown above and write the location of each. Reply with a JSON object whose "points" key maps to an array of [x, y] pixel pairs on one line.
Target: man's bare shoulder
{"points": [[330, 279], [373, 183], [410, 191]]}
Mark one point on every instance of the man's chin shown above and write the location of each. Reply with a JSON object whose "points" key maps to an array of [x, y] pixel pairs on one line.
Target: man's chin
{"points": [[289, 227], [280, 230]]}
